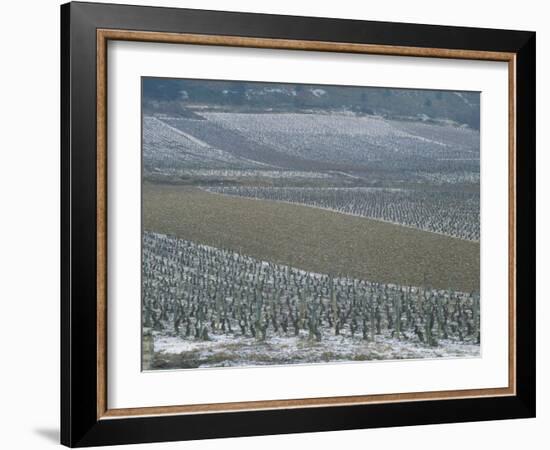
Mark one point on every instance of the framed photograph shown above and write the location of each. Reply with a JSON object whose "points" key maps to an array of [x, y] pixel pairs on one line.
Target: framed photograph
{"points": [[277, 224]]}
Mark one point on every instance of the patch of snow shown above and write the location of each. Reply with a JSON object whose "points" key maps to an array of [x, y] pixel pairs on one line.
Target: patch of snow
{"points": [[318, 92]]}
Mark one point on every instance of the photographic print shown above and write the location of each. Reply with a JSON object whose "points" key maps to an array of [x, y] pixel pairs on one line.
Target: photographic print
{"points": [[297, 224]]}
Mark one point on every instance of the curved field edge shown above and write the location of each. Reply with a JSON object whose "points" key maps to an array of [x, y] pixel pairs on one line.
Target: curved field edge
{"points": [[332, 209], [313, 239]]}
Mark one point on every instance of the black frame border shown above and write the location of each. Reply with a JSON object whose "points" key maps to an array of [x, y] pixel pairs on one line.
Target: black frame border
{"points": [[79, 424]]}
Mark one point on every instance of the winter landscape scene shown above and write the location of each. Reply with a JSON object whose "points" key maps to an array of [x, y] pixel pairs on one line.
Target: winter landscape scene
{"points": [[298, 224]]}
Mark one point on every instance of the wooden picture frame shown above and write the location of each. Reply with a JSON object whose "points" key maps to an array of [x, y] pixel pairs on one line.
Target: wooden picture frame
{"points": [[86, 418]]}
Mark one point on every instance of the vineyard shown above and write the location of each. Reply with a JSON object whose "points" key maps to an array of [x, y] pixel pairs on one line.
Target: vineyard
{"points": [[452, 213], [305, 142], [166, 147], [205, 306], [345, 138]]}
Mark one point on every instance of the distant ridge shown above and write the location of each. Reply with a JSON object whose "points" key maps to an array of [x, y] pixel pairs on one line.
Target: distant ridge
{"points": [[459, 107]]}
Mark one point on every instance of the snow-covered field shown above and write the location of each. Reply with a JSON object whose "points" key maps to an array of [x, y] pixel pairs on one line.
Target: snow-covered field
{"points": [[343, 138], [233, 351], [167, 147], [442, 178], [256, 173], [225, 140]]}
